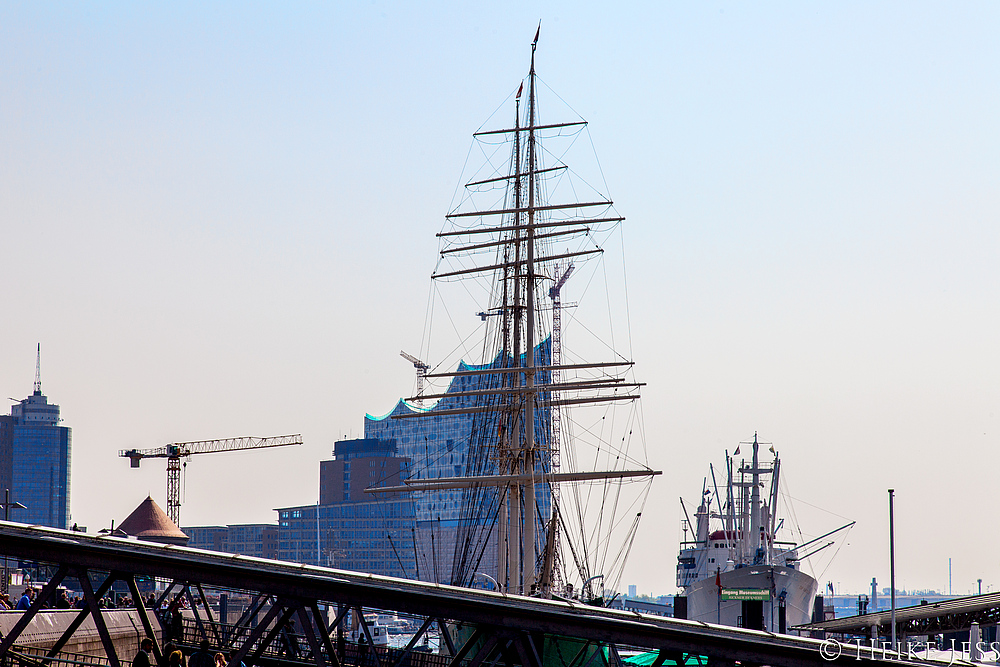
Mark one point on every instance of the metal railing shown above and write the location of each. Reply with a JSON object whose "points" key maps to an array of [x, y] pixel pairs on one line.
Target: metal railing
{"points": [[33, 656], [293, 648]]}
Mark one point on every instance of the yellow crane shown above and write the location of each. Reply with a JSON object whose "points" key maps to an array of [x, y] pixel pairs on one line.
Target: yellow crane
{"points": [[173, 453]]}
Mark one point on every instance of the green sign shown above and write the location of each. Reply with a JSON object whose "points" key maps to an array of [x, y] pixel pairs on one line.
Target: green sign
{"points": [[746, 594]]}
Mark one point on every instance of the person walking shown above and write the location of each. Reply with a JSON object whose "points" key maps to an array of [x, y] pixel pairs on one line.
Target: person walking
{"points": [[24, 604], [141, 658], [202, 657]]}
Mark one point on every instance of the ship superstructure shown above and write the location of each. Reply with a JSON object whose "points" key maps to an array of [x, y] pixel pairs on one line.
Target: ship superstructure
{"points": [[734, 570]]}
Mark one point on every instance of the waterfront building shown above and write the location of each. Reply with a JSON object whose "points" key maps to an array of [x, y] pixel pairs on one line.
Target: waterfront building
{"points": [[426, 535], [253, 539], [442, 441], [35, 460], [209, 538], [347, 528], [248, 539]]}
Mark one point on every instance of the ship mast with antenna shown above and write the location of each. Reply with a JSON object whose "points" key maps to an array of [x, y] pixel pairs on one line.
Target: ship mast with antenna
{"points": [[519, 391]]}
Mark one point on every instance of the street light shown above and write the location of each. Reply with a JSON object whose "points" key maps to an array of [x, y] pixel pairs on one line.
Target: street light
{"points": [[7, 504], [892, 571]]}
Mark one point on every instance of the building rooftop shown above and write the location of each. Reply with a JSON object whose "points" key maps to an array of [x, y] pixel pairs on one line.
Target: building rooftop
{"points": [[150, 523]]}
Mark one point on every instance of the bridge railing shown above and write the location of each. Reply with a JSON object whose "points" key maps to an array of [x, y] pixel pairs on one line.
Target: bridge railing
{"points": [[294, 647], [32, 656], [478, 628]]}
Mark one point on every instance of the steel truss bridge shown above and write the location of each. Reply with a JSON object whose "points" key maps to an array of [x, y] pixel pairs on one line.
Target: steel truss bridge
{"points": [[477, 628], [955, 615]]}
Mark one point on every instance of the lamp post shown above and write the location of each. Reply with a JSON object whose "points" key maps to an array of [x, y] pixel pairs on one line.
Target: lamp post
{"points": [[7, 504], [892, 573]]}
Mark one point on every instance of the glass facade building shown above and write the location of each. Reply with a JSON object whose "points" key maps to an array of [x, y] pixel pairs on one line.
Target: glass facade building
{"points": [[349, 529], [35, 462], [374, 536], [457, 445], [414, 535], [248, 539]]}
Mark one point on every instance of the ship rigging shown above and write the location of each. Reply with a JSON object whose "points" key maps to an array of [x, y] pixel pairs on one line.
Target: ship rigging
{"points": [[513, 519]]}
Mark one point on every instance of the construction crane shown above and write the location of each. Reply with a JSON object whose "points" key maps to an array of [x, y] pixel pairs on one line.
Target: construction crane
{"points": [[556, 418], [422, 369], [173, 453], [555, 453]]}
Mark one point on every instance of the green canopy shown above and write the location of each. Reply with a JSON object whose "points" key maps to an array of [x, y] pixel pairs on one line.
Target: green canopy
{"points": [[646, 659]]}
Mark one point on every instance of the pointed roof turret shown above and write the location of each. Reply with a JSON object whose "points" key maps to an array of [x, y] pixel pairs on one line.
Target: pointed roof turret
{"points": [[148, 522]]}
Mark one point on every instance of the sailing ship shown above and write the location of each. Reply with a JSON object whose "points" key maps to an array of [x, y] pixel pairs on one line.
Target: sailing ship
{"points": [[513, 239], [735, 571]]}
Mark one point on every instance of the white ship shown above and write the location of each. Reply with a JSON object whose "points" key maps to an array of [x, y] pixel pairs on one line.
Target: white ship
{"points": [[735, 571]]}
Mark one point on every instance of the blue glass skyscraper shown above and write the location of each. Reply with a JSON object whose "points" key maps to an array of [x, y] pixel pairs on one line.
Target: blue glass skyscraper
{"points": [[35, 461]]}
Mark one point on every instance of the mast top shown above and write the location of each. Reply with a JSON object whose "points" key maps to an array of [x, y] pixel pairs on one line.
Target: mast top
{"points": [[534, 45]]}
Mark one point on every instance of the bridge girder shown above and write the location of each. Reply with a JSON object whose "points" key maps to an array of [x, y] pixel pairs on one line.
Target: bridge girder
{"points": [[507, 628]]}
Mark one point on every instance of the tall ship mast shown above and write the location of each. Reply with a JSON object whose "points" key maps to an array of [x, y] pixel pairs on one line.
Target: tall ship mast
{"points": [[517, 232]]}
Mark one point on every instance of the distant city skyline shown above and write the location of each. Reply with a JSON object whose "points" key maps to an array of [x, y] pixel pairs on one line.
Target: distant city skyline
{"points": [[219, 221]]}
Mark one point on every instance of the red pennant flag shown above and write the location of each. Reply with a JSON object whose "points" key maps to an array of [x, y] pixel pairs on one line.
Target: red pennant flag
{"points": [[718, 581], [536, 33], [519, 91]]}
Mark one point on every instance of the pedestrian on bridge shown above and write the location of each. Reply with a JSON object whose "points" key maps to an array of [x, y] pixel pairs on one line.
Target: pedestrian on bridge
{"points": [[202, 657], [176, 659], [168, 648], [142, 657], [24, 604]]}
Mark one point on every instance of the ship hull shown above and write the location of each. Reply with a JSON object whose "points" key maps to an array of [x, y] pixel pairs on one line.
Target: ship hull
{"points": [[704, 603]]}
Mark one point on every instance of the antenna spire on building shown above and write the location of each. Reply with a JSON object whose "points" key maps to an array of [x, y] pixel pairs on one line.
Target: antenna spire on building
{"points": [[38, 371]]}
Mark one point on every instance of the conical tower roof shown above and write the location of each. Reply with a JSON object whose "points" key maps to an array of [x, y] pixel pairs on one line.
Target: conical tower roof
{"points": [[150, 523]]}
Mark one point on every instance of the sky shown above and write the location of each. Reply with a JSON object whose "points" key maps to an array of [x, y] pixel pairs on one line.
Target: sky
{"points": [[219, 221]]}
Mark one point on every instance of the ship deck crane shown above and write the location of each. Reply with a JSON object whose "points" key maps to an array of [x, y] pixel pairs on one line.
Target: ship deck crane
{"points": [[174, 452]]}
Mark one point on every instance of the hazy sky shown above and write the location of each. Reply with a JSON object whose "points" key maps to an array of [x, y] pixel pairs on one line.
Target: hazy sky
{"points": [[219, 221]]}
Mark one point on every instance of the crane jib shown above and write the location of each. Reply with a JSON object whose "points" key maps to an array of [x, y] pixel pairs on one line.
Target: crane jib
{"points": [[174, 452]]}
